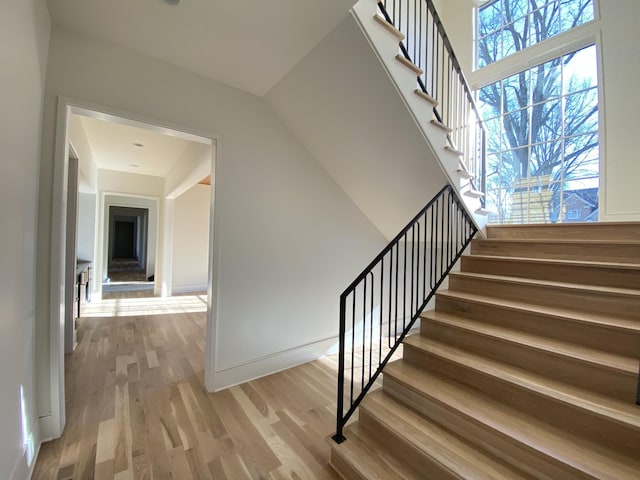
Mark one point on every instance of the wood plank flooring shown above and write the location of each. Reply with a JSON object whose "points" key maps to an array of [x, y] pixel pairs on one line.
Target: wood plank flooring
{"points": [[137, 408]]}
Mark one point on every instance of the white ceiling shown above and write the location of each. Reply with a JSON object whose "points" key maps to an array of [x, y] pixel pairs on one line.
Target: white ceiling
{"points": [[112, 145], [248, 44]]}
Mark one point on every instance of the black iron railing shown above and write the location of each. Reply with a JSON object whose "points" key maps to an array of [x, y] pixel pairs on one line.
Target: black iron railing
{"points": [[426, 45], [382, 304]]}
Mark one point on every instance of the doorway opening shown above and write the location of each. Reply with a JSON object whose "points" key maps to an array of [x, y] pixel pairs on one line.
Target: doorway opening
{"points": [[127, 268], [134, 179]]}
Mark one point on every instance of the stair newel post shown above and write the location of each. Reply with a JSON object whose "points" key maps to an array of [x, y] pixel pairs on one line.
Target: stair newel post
{"points": [[339, 437]]}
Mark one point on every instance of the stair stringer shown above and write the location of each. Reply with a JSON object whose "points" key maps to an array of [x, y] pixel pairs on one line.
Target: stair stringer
{"points": [[385, 45]]}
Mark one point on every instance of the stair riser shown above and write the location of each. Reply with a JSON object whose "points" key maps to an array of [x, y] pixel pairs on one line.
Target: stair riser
{"points": [[625, 306], [559, 414], [536, 464], [399, 448], [594, 231], [616, 341], [629, 253], [594, 377], [344, 468], [580, 274]]}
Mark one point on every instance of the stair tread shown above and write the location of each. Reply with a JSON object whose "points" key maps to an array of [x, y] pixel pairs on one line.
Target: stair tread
{"points": [[560, 261], [601, 405], [454, 150], [474, 193], [426, 96], [441, 125], [368, 460], [562, 241], [536, 435], [389, 27], [555, 312], [434, 442], [409, 64], [604, 231], [559, 285]]}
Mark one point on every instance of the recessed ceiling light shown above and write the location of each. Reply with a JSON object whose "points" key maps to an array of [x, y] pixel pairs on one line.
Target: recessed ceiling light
{"points": [[172, 2], [138, 144], [134, 165]]}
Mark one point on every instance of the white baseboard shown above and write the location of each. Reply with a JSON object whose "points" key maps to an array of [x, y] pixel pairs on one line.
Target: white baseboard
{"points": [[23, 469], [269, 364], [201, 287], [45, 428]]}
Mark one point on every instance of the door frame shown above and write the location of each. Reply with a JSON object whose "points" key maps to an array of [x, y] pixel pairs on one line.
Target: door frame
{"points": [[53, 425]]}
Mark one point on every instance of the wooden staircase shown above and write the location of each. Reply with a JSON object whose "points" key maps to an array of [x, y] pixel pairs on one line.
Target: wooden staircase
{"points": [[527, 367]]}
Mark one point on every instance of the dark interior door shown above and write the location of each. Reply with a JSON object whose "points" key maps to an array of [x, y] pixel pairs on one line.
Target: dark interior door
{"points": [[124, 240]]}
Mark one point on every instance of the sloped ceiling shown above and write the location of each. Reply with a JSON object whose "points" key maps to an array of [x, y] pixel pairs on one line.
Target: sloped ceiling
{"points": [[247, 44]]}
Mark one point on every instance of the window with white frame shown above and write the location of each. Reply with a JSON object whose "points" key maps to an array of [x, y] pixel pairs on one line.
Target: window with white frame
{"points": [[542, 122], [509, 26]]}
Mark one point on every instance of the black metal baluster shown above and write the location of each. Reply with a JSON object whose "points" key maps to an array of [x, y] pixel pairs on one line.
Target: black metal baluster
{"points": [[390, 293], [424, 257], [339, 437], [353, 344], [373, 278], [397, 269], [404, 284], [364, 332], [434, 238], [381, 309], [413, 243]]}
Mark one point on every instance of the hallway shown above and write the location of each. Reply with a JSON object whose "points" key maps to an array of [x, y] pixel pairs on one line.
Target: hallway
{"points": [[136, 407]]}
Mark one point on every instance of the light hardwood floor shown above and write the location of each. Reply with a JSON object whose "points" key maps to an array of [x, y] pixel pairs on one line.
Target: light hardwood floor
{"points": [[137, 409]]}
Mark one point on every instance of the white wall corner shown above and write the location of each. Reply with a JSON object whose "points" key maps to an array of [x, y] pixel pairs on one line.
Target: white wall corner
{"points": [[270, 364]]}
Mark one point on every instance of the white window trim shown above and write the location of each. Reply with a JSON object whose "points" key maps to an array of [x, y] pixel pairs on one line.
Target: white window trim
{"points": [[556, 46]]}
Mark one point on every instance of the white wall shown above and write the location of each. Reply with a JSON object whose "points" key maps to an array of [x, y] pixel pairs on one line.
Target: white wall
{"points": [[343, 106], [191, 167], [24, 36], [86, 226], [619, 200], [621, 62], [287, 239], [88, 175], [191, 240]]}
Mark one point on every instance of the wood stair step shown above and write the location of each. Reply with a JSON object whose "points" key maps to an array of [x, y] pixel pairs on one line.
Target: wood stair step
{"points": [[473, 193], [525, 442], [606, 300], [610, 231], [409, 64], [441, 126], [428, 447], [483, 211], [620, 251], [389, 27], [464, 174], [613, 274], [590, 415], [617, 363], [425, 96], [598, 331], [361, 458], [453, 150], [596, 370]]}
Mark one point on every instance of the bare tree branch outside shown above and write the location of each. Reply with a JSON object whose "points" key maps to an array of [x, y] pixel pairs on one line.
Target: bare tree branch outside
{"points": [[542, 123]]}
